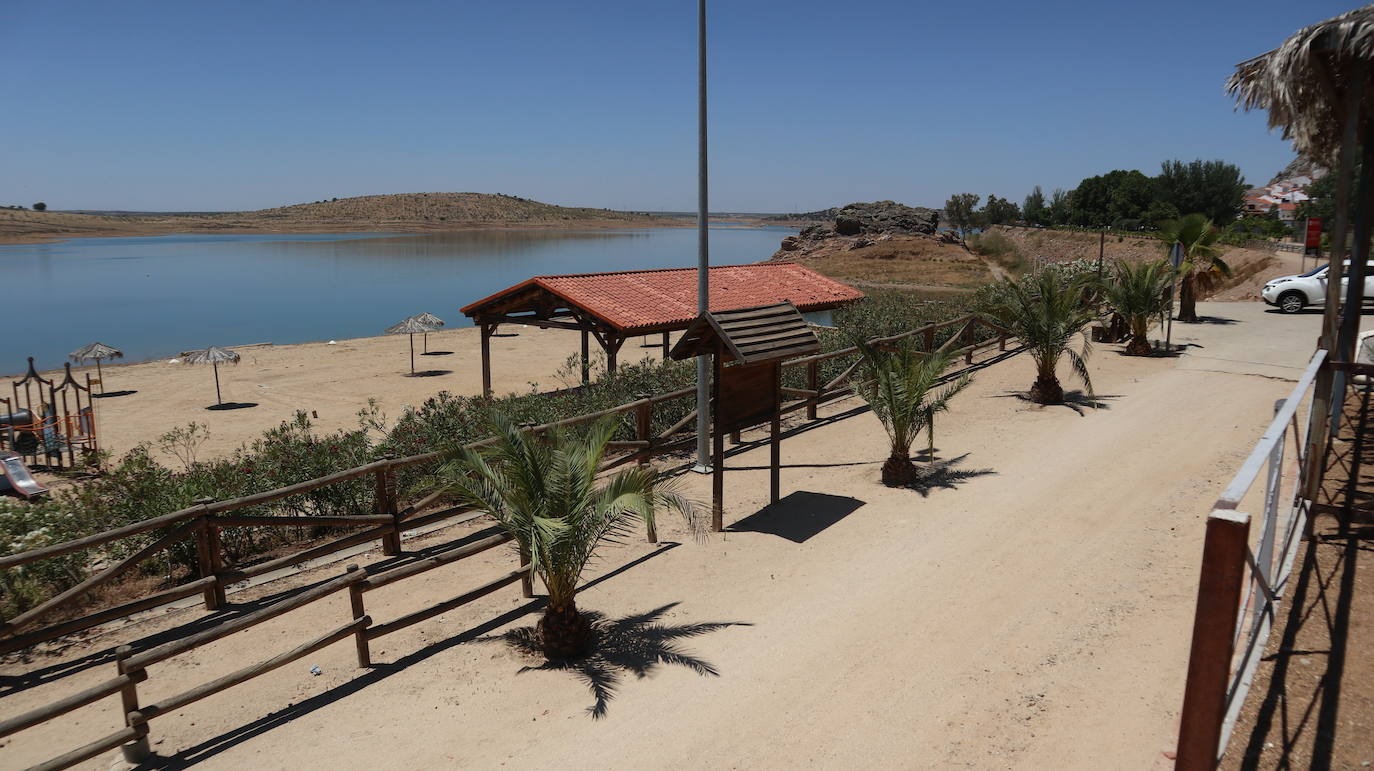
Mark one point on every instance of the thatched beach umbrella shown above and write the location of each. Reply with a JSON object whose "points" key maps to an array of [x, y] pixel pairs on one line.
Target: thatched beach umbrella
{"points": [[213, 356], [430, 320], [1309, 84], [96, 351], [411, 326]]}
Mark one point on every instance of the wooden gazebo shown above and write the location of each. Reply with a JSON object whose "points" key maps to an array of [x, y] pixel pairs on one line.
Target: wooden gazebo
{"points": [[613, 307]]}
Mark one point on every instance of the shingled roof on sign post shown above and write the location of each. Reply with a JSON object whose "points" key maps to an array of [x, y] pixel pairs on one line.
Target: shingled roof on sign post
{"points": [[749, 335]]}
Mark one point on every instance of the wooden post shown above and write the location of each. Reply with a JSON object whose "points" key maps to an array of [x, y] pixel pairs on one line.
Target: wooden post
{"points": [[644, 416], [966, 337], [487, 329], [137, 750], [1214, 627], [665, 346], [813, 383], [384, 502], [355, 599], [612, 348], [586, 358], [929, 339], [775, 443], [526, 583], [717, 452], [209, 560]]}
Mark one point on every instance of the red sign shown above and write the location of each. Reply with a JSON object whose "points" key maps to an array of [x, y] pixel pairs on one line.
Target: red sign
{"points": [[1314, 232]]}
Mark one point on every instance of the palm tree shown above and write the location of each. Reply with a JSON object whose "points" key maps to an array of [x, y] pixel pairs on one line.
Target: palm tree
{"points": [[1202, 267], [1044, 311], [544, 491], [1139, 293], [898, 387]]}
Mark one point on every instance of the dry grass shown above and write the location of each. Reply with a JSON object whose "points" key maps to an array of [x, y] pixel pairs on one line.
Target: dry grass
{"points": [[915, 260]]}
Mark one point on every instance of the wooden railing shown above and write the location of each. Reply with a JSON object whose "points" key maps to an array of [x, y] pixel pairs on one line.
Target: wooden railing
{"points": [[203, 521], [1240, 588]]}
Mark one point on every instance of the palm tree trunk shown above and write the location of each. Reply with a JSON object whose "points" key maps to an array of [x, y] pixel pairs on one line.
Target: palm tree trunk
{"points": [[1187, 300], [1047, 390], [1140, 337], [899, 471], [564, 632]]}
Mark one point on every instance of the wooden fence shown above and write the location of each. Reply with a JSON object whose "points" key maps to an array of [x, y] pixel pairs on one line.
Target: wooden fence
{"points": [[203, 521], [1240, 587]]}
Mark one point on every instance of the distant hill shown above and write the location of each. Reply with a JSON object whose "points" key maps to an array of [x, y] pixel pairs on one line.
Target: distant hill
{"points": [[404, 212]]}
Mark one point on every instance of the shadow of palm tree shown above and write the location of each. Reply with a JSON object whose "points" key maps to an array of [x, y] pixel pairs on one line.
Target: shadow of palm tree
{"points": [[940, 475], [1074, 400], [635, 644]]}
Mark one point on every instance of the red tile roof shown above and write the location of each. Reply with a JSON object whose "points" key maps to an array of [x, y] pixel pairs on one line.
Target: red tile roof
{"points": [[638, 300]]}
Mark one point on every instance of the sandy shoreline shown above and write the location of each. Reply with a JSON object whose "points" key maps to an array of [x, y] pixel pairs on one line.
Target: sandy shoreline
{"points": [[329, 382]]}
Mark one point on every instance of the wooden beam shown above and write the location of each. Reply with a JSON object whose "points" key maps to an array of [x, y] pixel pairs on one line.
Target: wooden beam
{"points": [[487, 329], [1214, 626], [586, 358]]}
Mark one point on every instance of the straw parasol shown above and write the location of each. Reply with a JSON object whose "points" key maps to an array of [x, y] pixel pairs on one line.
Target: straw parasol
{"points": [[213, 356], [411, 326], [429, 319], [1303, 83], [96, 351]]}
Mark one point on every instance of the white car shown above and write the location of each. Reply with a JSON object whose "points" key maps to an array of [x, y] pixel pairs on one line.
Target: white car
{"points": [[1291, 294]]}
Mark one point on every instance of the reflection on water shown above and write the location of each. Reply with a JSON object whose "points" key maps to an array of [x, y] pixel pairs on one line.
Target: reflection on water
{"points": [[156, 296]]}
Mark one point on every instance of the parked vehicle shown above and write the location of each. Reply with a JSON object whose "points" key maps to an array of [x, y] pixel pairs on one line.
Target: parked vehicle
{"points": [[1291, 294]]}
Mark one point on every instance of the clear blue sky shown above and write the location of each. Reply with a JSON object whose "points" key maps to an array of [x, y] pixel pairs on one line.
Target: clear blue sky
{"points": [[241, 105]]}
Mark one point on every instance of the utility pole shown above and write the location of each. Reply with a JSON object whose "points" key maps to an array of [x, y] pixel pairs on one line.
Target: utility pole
{"points": [[1101, 249], [703, 251]]}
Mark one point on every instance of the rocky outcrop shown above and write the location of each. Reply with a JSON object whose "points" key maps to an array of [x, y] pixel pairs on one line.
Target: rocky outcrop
{"points": [[885, 217], [860, 225]]}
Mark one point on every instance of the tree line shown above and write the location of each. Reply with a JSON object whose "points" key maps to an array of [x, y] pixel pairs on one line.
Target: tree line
{"points": [[1125, 200]]}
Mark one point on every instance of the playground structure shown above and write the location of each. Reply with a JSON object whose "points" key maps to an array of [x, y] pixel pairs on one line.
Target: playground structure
{"points": [[48, 424]]}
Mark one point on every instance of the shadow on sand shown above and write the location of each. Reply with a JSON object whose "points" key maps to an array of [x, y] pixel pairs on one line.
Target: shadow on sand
{"points": [[213, 746], [437, 353], [1074, 400], [232, 406], [113, 394], [1210, 320], [941, 475], [798, 517], [634, 645], [430, 373]]}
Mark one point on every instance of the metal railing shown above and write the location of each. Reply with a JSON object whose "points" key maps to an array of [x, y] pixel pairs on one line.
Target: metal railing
{"points": [[1241, 585]]}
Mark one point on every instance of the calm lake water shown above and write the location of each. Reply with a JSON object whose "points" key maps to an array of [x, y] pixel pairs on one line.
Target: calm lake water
{"points": [[154, 297]]}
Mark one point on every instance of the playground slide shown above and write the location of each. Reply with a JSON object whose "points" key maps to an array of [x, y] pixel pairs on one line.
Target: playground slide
{"points": [[17, 478]]}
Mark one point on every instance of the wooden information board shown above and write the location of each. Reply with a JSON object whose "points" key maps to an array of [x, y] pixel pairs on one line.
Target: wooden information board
{"points": [[748, 395]]}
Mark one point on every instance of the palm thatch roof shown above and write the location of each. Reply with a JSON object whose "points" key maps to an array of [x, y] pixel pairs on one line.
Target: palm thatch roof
{"points": [[411, 326], [1303, 83], [434, 322], [96, 351], [212, 355]]}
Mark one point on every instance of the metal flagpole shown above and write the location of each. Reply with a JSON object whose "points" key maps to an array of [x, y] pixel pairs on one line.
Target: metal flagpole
{"points": [[703, 249]]}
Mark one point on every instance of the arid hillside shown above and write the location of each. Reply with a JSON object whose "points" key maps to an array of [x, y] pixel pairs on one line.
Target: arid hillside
{"points": [[939, 264], [407, 212]]}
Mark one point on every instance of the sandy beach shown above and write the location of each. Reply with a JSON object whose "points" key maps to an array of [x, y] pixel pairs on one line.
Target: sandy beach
{"points": [[331, 382], [1030, 608]]}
